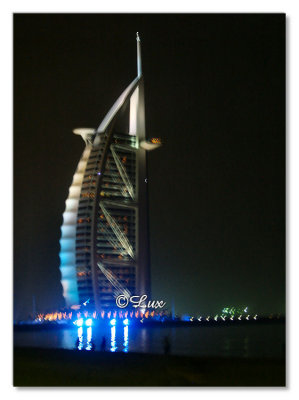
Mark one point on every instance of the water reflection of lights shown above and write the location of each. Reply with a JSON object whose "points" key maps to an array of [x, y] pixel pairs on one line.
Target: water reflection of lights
{"points": [[84, 340], [80, 338], [89, 337], [126, 339], [113, 342]]}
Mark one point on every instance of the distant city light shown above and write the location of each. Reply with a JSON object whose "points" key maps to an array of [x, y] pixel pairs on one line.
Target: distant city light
{"points": [[113, 318]]}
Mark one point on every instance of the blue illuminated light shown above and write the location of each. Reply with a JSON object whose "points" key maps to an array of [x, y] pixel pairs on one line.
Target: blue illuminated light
{"points": [[80, 338], [113, 342], [126, 322], [113, 322], [80, 322], [88, 322], [126, 339], [89, 337]]}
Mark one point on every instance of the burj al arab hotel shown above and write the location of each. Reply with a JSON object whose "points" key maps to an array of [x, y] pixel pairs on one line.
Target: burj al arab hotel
{"points": [[104, 236]]}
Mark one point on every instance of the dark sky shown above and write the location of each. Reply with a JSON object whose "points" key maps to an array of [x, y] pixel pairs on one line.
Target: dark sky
{"points": [[215, 94]]}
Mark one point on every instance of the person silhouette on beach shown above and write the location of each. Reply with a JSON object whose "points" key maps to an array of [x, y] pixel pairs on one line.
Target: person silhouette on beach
{"points": [[166, 345], [103, 344], [92, 345]]}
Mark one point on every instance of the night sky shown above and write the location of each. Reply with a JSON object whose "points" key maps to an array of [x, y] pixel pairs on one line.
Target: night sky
{"points": [[215, 94]]}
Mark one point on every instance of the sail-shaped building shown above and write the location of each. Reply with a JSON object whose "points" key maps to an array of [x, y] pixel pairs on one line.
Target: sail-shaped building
{"points": [[104, 237]]}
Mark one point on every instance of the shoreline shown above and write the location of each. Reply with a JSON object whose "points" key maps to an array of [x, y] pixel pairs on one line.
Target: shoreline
{"points": [[153, 324]]}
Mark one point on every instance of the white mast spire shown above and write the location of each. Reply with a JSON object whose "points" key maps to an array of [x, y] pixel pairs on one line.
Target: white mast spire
{"points": [[139, 67]]}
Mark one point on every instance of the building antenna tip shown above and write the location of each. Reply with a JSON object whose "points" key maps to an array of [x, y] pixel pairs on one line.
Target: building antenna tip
{"points": [[137, 37]]}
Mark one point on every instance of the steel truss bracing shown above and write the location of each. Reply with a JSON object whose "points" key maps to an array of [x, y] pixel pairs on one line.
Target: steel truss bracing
{"points": [[119, 288], [122, 172], [118, 232], [118, 182], [112, 240]]}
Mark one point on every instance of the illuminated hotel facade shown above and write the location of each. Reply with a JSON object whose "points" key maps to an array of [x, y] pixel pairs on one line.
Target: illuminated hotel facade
{"points": [[104, 236]]}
